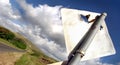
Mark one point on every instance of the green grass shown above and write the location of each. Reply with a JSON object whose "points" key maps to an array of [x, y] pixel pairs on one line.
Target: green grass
{"points": [[18, 43], [11, 38], [34, 58], [8, 43], [27, 59]]}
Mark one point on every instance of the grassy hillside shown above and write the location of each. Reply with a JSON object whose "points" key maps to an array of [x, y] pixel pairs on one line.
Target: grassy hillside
{"points": [[31, 56], [10, 37]]}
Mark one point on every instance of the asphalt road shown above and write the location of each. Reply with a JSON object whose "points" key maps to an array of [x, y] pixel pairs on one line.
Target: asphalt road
{"points": [[5, 48]]}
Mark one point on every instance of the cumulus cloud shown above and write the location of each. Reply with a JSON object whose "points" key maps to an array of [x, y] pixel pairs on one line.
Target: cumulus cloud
{"points": [[6, 15], [6, 10], [41, 25], [46, 18]]}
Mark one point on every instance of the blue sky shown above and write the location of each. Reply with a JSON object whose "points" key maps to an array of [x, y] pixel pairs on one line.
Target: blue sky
{"points": [[112, 20], [32, 22]]}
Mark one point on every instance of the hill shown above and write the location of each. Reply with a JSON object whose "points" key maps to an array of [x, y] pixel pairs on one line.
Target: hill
{"points": [[30, 55]]}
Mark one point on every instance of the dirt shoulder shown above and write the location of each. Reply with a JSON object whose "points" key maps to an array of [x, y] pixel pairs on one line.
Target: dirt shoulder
{"points": [[9, 58]]}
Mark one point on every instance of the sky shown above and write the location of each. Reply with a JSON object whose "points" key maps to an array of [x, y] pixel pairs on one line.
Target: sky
{"points": [[37, 20]]}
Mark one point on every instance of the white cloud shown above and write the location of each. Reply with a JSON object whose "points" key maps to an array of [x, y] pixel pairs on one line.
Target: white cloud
{"points": [[7, 14], [39, 25], [6, 10], [4, 2], [94, 62], [118, 63]]}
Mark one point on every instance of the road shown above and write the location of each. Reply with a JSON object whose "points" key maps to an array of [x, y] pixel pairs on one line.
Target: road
{"points": [[6, 48]]}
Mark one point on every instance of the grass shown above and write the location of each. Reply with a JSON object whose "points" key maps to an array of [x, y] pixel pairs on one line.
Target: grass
{"points": [[8, 43], [11, 38], [18, 43], [27, 59], [32, 56]]}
